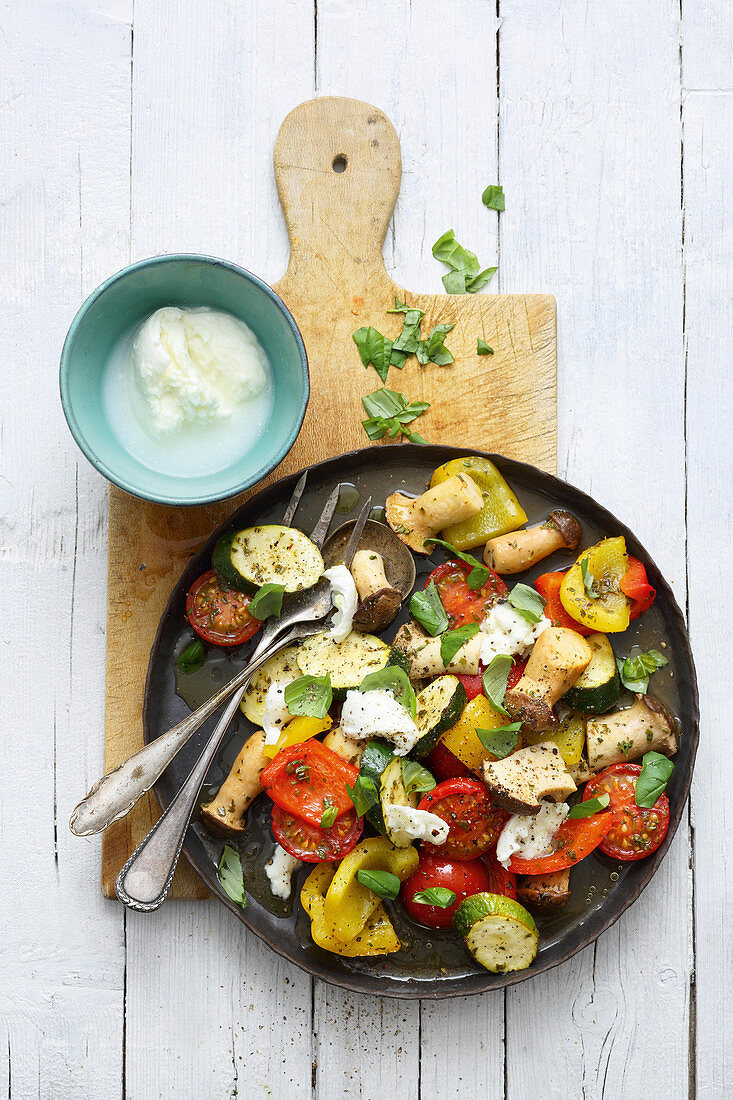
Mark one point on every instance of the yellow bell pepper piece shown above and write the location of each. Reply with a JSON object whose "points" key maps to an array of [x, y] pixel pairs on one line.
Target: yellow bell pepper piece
{"points": [[501, 512], [569, 738], [378, 936], [462, 739], [349, 905], [607, 562], [297, 731]]}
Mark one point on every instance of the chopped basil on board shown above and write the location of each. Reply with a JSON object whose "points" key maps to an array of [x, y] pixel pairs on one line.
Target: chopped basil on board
{"points": [[493, 197], [482, 348], [389, 411], [465, 276]]}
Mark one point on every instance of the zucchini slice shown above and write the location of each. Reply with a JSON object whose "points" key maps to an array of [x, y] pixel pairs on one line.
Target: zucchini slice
{"points": [[274, 555], [599, 688], [284, 667], [392, 793], [439, 706], [346, 662], [499, 932], [375, 759]]}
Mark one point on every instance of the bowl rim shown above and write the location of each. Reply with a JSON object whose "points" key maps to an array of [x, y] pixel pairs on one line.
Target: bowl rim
{"points": [[73, 423]]}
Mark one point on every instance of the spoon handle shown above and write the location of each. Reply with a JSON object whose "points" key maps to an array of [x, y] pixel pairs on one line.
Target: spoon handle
{"points": [[144, 881], [116, 793]]}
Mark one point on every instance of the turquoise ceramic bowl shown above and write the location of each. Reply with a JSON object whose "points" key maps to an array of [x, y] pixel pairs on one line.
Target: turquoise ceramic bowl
{"points": [[128, 298]]}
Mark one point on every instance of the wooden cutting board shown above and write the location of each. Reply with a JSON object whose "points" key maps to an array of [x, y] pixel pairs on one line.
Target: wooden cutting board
{"points": [[336, 282]]}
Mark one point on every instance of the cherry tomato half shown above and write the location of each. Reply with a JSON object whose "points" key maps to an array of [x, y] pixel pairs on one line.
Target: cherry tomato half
{"points": [[635, 585], [635, 832], [463, 877], [308, 781], [444, 765], [311, 843], [501, 881], [219, 614], [475, 822], [574, 840], [462, 604]]}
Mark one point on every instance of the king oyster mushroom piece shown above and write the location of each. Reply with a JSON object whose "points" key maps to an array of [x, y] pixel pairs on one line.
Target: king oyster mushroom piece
{"points": [[627, 734], [225, 813], [423, 653], [383, 570], [557, 661], [520, 550], [345, 747], [545, 893], [415, 519], [379, 601], [520, 782]]}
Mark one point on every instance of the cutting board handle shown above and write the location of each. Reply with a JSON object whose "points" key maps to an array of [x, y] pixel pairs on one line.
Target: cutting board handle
{"points": [[337, 168]]}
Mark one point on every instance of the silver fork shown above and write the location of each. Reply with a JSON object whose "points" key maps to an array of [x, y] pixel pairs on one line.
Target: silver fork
{"points": [[114, 795], [144, 881]]}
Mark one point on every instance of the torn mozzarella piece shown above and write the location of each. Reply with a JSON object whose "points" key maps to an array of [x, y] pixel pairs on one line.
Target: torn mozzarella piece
{"points": [[345, 599], [530, 835], [406, 824], [276, 713], [508, 632], [378, 714], [279, 871]]}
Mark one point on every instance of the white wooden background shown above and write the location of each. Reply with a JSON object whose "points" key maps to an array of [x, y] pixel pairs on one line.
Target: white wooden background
{"points": [[131, 130]]}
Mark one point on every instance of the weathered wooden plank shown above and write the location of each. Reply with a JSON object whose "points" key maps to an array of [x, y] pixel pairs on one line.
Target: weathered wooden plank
{"points": [[210, 85], [708, 179], [64, 199], [707, 46], [590, 161]]}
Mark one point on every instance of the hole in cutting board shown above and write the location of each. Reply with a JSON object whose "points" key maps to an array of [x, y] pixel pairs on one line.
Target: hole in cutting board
{"points": [[339, 163]]}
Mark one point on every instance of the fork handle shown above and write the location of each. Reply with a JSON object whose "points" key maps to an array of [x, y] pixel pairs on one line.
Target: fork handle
{"points": [[144, 881]]}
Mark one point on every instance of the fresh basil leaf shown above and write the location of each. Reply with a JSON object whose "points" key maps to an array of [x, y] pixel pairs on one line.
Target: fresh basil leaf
{"points": [[328, 818], [382, 883], [427, 608], [433, 349], [588, 580], [494, 681], [231, 876], [527, 602], [416, 779], [408, 340], [479, 573], [480, 280], [493, 197], [309, 695], [482, 348], [394, 679], [454, 282], [502, 740], [452, 640], [436, 895], [384, 402], [465, 276], [363, 794], [590, 807], [192, 657], [400, 307], [415, 437], [267, 600], [374, 349], [636, 670], [389, 412], [655, 772]]}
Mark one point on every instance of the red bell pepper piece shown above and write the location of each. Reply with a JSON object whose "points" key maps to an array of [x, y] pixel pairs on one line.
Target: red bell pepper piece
{"points": [[548, 585], [635, 585]]}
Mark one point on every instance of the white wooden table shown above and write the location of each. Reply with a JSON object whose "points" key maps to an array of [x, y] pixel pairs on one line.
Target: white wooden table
{"points": [[131, 131]]}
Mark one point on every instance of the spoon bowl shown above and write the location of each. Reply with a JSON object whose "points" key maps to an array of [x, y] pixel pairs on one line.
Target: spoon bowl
{"points": [[399, 564]]}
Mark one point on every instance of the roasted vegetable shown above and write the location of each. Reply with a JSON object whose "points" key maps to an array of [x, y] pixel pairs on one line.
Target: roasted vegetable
{"points": [[569, 736], [349, 905], [599, 688], [591, 589], [520, 550], [556, 662], [500, 510], [499, 932], [628, 734], [296, 732], [379, 601], [225, 813], [449, 502], [376, 937], [545, 893], [462, 740], [519, 782]]}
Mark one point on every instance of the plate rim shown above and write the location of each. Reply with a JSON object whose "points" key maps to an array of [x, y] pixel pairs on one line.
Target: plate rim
{"points": [[410, 988]]}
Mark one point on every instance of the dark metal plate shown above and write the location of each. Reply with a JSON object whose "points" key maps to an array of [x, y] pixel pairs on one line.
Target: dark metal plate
{"points": [[433, 964]]}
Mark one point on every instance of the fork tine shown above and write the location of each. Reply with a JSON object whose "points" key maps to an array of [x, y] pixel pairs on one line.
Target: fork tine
{"points": [[355, 536], [295, 499], [320, 530]]}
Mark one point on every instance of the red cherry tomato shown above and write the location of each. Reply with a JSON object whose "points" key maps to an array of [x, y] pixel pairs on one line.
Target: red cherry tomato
{"points": [[575, 839], [474, 684], [635, 585], [219, 614], [462, 604], [501, 881], [475, 822], [548, 585], [444, 765], [308, 780], [311, 843], [635, 832], [464, 878]]}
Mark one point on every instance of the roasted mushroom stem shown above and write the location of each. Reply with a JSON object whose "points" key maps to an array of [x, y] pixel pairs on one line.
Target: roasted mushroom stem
{"points": [[423, 653], [627, 734], [345, 747], [545, 893], [520, 550], [379, 601], [419, 518], [225, 813], [557, 661], [519, 782]]}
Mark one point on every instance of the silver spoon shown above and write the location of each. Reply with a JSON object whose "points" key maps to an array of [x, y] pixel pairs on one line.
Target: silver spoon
{"points": [[144, 881]]}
